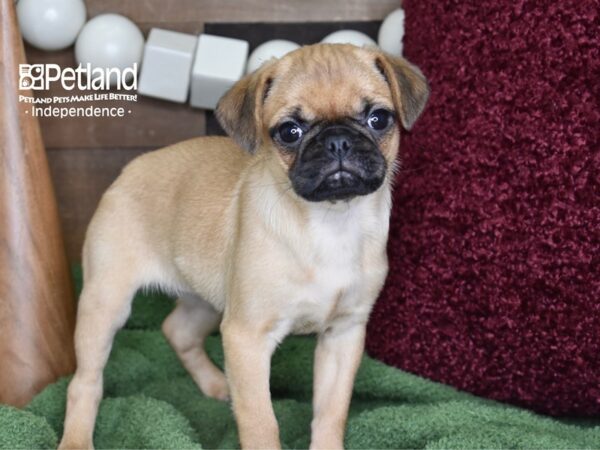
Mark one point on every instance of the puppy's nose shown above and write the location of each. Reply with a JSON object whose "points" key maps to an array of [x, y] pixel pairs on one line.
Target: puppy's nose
{"points": [[338, 144]]}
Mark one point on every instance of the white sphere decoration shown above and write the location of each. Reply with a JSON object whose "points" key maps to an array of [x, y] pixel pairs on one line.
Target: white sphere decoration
{"points": [[110, 41], [349, 37], [391, 33], [50, 24], [276, 48]]}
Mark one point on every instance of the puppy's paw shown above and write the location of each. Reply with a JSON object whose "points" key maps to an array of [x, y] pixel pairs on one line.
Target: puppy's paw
{"points": [[327, 445], [70, 443], [327, 437], [214, 384]]}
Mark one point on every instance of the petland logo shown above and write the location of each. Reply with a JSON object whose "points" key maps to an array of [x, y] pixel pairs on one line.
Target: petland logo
{"points": [[39, 77]]}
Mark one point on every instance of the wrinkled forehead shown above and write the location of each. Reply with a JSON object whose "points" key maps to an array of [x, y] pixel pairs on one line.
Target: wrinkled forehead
{"points": [[325, 83]]}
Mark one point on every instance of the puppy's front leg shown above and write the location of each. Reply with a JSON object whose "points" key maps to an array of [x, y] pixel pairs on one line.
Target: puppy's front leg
{"points": [[337, 358], [248, 351]]}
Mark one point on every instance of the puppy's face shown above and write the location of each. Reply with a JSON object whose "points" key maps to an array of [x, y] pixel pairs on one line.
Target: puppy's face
{"points": [[327, 117]]}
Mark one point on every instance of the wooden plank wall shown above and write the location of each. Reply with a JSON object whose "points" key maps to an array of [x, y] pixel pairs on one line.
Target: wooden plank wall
{"points": [[86, 155]]}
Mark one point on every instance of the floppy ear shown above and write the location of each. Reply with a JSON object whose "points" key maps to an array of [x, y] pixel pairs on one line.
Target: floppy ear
{"points": [[240, 109], [410, 90]]}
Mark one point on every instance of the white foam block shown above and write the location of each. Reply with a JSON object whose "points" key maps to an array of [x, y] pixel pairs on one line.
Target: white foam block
{"points": [[219, 63], [167, 65]]}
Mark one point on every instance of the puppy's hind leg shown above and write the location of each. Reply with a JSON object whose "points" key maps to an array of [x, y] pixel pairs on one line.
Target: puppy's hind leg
{"points": [[103, 308], [186, 328]]}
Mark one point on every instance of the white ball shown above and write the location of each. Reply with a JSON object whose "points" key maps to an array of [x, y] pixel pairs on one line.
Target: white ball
{"points": [[270, 49], [50, 24], [350, 37], [391, 33], [110, 41]]}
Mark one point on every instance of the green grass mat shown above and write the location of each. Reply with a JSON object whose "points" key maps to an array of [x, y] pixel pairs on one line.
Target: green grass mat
{"points": [[151, 402]]}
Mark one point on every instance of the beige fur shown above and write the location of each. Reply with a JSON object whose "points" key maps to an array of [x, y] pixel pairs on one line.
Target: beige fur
{"points": [[223, 230]]}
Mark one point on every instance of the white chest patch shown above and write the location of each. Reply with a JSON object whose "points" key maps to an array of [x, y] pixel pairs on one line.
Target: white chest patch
{"points": [[332, 258]]}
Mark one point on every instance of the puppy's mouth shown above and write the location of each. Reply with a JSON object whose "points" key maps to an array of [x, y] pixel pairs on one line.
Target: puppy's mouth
{"points": [[340, 178], [338, 182]]}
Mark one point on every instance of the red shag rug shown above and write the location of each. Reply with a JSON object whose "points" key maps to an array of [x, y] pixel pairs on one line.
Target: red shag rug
{"points": [[494, 283]]}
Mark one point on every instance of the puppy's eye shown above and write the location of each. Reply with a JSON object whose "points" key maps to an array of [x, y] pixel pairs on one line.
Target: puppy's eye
{"points": [[379, 119], [290, 132]]}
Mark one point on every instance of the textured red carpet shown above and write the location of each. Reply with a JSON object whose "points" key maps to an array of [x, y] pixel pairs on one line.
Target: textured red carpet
{"points": [[494, 283]]}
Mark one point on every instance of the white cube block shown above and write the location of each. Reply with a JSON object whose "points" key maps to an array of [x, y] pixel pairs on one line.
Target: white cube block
{"points": [[219, 63], [167, 65]]}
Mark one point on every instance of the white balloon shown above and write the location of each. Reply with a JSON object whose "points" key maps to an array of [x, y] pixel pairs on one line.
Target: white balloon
{"points": [[350, 37], [391, 32], [50, 24], [268, 50], [110, 41]]}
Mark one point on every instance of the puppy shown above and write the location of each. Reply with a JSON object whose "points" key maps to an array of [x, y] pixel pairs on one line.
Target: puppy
{"points": [[280, 229]]}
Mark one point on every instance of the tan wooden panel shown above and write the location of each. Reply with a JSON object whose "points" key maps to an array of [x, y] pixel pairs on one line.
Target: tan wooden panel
{"points": [[37, 311], [245, 10], [80, 178]]}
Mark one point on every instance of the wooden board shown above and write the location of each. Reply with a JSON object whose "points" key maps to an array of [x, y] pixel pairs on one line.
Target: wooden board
{"points": [[37, 308], [157, 123], [246, 10]]}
